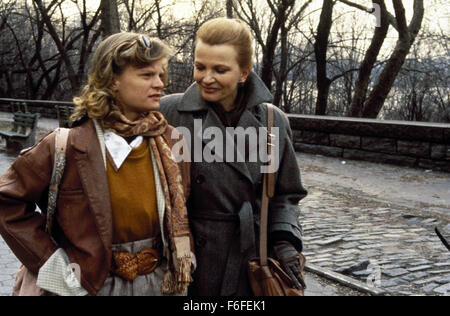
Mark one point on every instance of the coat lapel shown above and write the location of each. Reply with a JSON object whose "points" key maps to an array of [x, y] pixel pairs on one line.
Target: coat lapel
{"points": [[93, 177], [212, 121], [248, 120]]}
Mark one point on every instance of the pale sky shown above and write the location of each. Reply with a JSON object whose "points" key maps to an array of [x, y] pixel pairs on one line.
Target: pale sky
{"points": [[437, 12]]}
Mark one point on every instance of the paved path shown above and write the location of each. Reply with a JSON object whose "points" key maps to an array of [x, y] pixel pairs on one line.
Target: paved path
{"points": [[378, 216], [8, 269]]}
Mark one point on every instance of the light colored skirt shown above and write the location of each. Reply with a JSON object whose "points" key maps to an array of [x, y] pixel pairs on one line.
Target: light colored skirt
{"points": [[143, 285]]}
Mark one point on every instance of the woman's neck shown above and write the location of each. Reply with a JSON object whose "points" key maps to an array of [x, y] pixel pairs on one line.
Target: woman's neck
{"points": [[229, 104], [132, 116]]}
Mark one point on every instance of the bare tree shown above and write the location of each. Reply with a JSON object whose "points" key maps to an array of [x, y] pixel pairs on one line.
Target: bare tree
{"points": [[320, 50], [271, 33], [6, 8], [85, 36], [287, 63], [407, 36], [11, 59], [299, 82], [44, 51], [362, 83], [27, 55], [180, 34], [229, 7], [109, 17], [421, 91]]}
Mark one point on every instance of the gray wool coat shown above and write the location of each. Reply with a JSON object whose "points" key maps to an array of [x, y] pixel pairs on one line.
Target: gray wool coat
{"points": [[225, 199]]}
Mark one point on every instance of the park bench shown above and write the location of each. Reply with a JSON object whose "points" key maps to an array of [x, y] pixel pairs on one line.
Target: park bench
{"points": [[23, 132], [63, 113]]}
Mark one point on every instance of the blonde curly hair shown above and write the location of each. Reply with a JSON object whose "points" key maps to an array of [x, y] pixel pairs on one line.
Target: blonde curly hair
{"points": [[111, 58]]}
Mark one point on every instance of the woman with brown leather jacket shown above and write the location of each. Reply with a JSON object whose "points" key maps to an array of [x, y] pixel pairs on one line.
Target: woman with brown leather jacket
{"points": [[121, 215]]}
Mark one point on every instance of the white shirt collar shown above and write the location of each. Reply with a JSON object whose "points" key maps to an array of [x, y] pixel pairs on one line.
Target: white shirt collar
{"points": [[118, 148]]}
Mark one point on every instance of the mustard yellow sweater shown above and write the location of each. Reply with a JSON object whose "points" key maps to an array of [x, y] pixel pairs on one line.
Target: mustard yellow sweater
{"points": [[133, 197]]}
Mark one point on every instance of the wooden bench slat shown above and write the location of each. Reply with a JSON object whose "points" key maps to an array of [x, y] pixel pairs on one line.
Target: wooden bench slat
{"points": [[63, 113], [12, 134], [27, 118], [23, 130], [20, 117], [26, 124]]}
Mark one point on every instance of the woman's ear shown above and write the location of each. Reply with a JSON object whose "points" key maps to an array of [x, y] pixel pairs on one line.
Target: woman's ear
{"points": [[244, 75], [114, 86]]}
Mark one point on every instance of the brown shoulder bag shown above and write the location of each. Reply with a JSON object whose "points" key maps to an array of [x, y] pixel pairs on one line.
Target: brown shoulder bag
{"points": [[267, 278]]}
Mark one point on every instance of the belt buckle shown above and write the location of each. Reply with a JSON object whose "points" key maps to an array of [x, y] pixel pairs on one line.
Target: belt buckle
{"points": [[128, 266]]}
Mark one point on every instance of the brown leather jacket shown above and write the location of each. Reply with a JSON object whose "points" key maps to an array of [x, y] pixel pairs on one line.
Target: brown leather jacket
{"points": [[83, 223]]}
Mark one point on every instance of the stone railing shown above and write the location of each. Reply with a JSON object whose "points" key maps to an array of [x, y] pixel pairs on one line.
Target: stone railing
{"points": [[45, 108], [412, 144]]}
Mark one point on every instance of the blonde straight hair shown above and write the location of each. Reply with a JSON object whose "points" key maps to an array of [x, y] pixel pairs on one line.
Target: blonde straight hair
{"points": [[112, 57]]}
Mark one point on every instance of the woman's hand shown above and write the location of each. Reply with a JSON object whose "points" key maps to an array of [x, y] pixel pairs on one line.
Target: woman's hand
{"points": [[290, 261]]}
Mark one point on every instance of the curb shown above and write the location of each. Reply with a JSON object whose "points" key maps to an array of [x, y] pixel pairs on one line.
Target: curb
{"points": [[345, 280]]}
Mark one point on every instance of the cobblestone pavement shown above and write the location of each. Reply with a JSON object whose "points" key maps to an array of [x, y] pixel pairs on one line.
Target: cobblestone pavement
{"points": [[8, 269], [384, 239]]}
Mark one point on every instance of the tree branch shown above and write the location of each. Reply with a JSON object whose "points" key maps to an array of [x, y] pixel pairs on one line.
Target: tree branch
{"points": [[391, 18]]}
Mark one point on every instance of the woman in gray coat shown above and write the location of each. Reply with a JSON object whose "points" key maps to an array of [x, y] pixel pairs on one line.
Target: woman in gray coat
{"points": [[226, 180]]}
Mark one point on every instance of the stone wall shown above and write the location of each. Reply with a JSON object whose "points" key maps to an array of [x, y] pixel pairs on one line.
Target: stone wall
{"points": [[45, 108], [412, 144]]}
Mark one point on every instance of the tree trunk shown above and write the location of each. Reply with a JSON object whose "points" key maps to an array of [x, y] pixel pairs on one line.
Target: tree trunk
{"points": [[362, 83], [407, 35], [269, 55], [110, 17], [159, 24], [320, 51], [281, 15], [282, 72], [130, 10], [229, 5]]}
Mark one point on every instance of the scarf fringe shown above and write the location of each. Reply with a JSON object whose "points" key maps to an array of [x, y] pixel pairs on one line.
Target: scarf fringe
{"points": [[178, 284]]}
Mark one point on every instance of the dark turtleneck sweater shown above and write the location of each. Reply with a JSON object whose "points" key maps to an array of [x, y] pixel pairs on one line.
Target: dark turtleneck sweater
{"points": [[231, 118]]}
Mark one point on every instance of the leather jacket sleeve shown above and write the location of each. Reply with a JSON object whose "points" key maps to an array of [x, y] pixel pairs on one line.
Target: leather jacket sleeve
{"points": [[22, 187]]}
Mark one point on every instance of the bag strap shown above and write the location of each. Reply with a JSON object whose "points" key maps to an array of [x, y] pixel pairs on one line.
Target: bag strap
{"points": [[62, 134], [268, 190]]}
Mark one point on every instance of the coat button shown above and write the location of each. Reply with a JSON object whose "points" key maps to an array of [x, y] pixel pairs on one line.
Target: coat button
{"points": [[200, 179]]}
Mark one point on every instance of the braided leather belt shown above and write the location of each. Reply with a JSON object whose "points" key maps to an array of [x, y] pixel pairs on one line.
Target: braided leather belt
{"points": [[128, 266]]}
